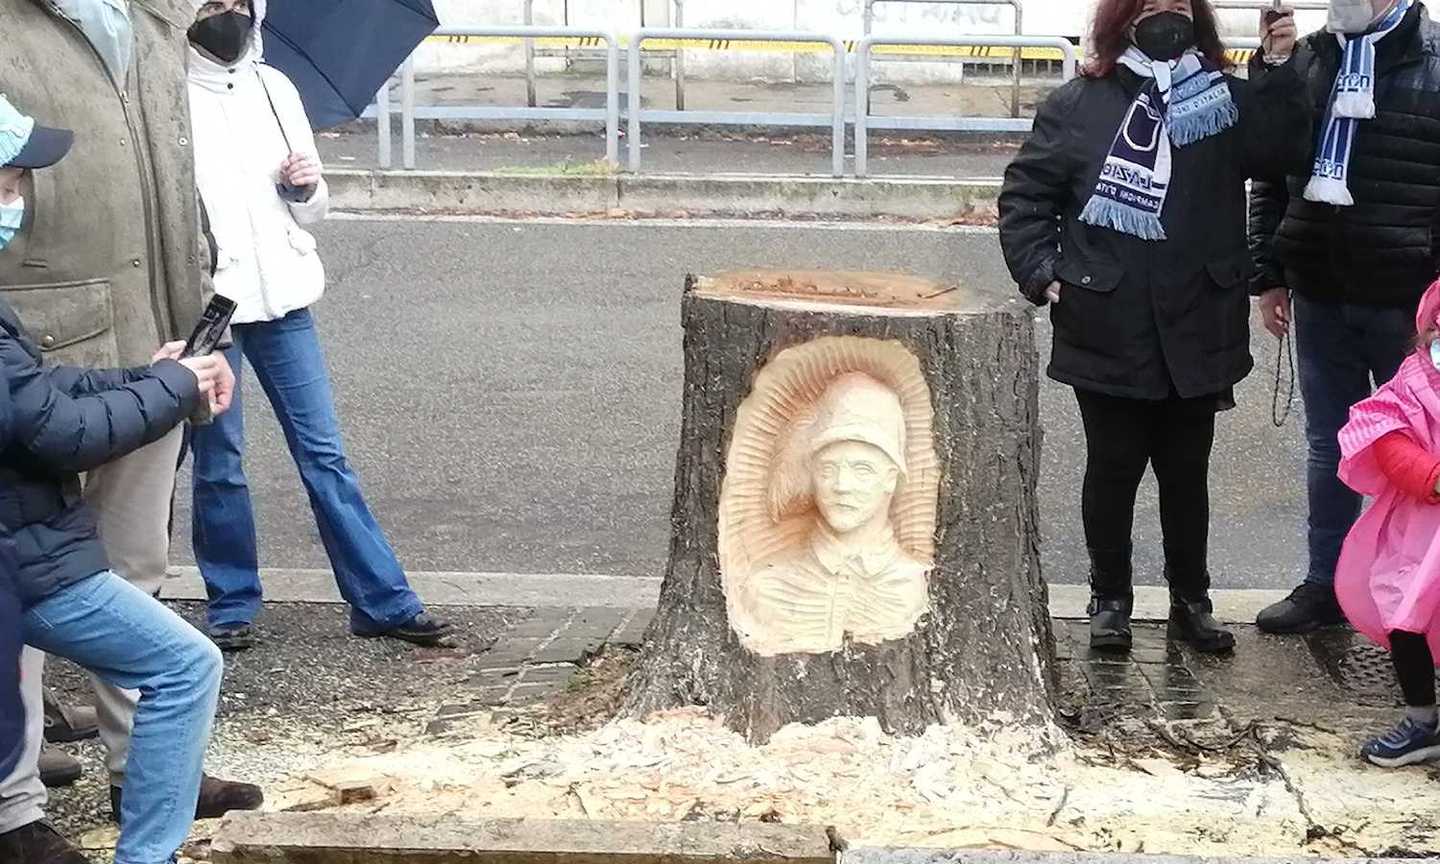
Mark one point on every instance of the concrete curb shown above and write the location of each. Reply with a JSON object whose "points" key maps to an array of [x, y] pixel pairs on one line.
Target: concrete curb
{"points": [[568, 590], [520, 590], [917, 198], [347, 838], [945, 856]]}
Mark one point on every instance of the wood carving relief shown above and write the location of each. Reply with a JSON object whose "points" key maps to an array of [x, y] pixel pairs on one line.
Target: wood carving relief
{"points": [[827, 514]]}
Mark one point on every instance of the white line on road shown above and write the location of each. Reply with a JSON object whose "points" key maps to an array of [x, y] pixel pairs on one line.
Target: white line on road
{"points": [[698, 223]]}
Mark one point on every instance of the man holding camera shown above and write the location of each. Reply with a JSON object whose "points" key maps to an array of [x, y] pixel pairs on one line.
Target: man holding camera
{"points": [[1344, 253], [106, 265]]}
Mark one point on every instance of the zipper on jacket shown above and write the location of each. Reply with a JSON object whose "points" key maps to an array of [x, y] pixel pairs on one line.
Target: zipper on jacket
{"points": [[152, 242]]}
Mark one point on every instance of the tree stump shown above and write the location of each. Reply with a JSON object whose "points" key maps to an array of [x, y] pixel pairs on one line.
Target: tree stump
{"points": [[854, 530]]}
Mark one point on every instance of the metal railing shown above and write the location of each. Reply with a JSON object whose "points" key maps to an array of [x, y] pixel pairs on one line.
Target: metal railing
{"points": [[1261, 5], [636, 114], [864, 122], [610, 114], [1015, 73]]}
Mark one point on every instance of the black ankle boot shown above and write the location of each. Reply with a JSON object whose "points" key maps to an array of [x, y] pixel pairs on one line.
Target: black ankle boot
{"points": [[1193, 622], [1110, 623], [1112, 600]]}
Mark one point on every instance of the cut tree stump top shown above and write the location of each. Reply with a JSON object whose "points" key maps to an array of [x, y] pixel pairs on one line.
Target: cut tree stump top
{"points": [[896, 294]]}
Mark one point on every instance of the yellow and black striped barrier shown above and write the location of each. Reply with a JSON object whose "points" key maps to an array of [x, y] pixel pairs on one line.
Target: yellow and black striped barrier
{"points": [[969, 52], [965, 52]]}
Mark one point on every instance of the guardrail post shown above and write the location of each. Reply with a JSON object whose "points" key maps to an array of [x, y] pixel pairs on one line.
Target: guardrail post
{"points": [[632, 133], [530, 98], [407, 113], [382, 125], [1017, 60], [612, 100], [862, 108], [679, 59], [837, 132]]}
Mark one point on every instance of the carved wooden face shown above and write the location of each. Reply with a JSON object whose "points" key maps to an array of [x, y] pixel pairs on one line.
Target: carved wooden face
{"points": [[853, 484]]}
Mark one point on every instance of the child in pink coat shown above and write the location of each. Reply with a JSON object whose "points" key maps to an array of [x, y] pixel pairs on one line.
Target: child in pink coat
{"points": [[1388, 578]]}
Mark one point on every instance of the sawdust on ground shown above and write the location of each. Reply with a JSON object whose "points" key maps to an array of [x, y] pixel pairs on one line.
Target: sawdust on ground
{"points": [[1201, 789]]}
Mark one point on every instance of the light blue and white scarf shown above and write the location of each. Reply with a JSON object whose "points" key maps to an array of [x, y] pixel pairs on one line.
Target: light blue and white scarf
{"points": [[1351, 100], [1183, 101]]}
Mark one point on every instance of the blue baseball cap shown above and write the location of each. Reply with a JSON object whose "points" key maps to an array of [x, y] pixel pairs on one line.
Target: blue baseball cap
{"points": [[26, 144]]}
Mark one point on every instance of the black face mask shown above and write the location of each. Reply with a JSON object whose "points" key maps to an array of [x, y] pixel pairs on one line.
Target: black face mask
{"points": [[1165, 35], [226, 35]]}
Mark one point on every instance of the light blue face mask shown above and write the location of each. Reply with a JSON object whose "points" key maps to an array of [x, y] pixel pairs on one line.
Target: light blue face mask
{"points": [[12, 216], [1435, 353]]}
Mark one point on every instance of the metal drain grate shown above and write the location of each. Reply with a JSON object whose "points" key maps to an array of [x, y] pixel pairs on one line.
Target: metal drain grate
{"points": [[1366, 671], [1360, 668]]}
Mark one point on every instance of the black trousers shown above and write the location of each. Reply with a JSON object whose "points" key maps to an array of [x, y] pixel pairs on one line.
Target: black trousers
{"points": [[1122, 438], [1414, 668]]}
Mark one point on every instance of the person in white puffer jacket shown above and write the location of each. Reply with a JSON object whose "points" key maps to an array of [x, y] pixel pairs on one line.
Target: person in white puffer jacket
{"points": [[260, 181]]}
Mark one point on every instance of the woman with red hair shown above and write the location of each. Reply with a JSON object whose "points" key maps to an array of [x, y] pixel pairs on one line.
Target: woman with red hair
{"points": [[1125, 211]]}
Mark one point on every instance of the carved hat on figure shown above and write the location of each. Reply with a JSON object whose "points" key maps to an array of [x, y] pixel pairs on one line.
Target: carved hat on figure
{"points": [[855, 408], [858, 408]]}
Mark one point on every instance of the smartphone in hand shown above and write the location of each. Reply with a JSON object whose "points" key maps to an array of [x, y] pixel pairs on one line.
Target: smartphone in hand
{"points": [[210, 329]]}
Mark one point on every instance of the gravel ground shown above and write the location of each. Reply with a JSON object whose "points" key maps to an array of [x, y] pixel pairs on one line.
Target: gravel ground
{"points": [[308, 691]]}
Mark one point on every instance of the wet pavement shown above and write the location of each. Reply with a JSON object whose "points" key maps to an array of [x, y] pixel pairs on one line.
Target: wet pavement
{"points": [[514, 146], [1174, 683]]}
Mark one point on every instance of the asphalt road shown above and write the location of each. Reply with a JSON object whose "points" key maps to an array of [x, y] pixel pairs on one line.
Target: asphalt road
{"points": [[510, 395]]}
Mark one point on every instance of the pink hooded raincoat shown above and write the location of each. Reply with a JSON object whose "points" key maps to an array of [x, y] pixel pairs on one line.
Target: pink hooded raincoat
{"points": [[1388, 577]]}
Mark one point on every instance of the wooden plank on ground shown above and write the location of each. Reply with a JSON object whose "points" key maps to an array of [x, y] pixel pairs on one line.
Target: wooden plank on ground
{"points": [[343, 838]]}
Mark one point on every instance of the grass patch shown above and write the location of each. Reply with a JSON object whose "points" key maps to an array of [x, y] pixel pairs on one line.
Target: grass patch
{"points": [[597, 168]]}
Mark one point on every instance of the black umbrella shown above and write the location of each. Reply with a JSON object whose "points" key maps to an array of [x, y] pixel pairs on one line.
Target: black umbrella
{"points": [[339, 52]]}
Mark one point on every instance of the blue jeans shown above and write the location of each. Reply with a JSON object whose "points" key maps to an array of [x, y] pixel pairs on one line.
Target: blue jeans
{"points": [[285, 355], [1344, 352], [131, 640]]}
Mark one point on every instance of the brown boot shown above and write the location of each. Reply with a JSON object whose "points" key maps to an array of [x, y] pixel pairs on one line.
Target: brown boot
{"points": [[217, 797], [66, 724], [57, 768], [37, 843]]}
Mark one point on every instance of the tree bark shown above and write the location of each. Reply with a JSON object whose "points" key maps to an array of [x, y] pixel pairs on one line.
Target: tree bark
{"points": [[984, 650]]}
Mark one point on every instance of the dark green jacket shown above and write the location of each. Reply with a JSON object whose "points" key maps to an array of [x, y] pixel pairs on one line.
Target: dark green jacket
{"points": [[109, 263]]}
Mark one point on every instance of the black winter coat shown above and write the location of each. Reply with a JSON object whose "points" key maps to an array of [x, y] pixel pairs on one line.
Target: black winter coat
{"points": [[1384, 250], [12, 711], [1144, 319], [67, 421]]}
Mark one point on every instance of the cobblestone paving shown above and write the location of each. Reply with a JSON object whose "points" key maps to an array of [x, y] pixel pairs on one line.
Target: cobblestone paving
{"points": [[1154, 679], [540, 655]]}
